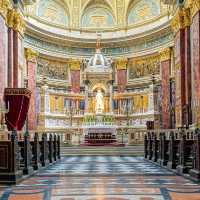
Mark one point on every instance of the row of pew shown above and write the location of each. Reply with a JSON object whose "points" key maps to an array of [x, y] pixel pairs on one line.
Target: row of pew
{"points": [[24, 154], [178, 150]]}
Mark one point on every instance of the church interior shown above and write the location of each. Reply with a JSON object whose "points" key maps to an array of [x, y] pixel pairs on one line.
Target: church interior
{"points": [[100, 99]]}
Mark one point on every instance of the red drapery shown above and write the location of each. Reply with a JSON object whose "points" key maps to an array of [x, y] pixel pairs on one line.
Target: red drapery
{"points": [[17, 101]]}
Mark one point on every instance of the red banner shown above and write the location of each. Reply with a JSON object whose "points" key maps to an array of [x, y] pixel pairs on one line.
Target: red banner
{"points": [[17, 101]]}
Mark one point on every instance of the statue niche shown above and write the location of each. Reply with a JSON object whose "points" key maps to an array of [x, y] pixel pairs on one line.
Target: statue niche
{"points": [[99, 102]]}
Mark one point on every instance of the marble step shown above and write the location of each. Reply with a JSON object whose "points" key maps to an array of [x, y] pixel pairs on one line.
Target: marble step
{"points": [[134, 150]]}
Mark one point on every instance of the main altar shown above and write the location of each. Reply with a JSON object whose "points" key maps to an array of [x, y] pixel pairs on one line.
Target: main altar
{"points": [[99, 127]]}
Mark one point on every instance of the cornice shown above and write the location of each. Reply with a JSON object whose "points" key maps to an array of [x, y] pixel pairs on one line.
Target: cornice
{"points": [[76, 38]]}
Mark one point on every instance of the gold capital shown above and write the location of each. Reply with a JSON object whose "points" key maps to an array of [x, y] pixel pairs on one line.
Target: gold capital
{"points": [[121, 63], [75, 64], [194, 6], [4, 6], [187, 17], [177, 21], [19, 22], [31, 55], [165, 54]]}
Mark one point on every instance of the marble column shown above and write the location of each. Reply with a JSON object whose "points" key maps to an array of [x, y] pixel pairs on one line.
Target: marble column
{"points": [[121, 66], [10, 23], [18, 49], [179, 32], [86, 97], [3, 57], [187, 56], [31, 62], [165, 82], [111, 96], [195, 61], [75, 66]]}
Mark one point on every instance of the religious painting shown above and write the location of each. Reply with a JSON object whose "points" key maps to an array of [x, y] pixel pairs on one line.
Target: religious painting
{"points": [[143, 10], [141, 67], [97, 17], [53, 69], [52, 12]]}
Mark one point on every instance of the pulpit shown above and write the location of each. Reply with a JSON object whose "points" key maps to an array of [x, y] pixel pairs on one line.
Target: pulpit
{"points": [[17, 102]]}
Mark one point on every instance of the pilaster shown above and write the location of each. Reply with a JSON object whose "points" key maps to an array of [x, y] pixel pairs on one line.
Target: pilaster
{"points": [[75, 67], [165, 59], [31, 62], [121, 66]]}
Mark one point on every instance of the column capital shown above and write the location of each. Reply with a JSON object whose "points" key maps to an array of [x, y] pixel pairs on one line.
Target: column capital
{"points": [[194, 6], [187, 17], [165, 54], [121, 63], [75, 64], [30, 54], [4, 6], [177, 21], [19, 22]]}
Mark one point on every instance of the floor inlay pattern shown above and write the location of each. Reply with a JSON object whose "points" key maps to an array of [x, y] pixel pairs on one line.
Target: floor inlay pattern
{"points": [[103, 178]]}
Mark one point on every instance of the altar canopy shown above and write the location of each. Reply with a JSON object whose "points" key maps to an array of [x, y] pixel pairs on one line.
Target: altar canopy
{"points": [[17, 102]]}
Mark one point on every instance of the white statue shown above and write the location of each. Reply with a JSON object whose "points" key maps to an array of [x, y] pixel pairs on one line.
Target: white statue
{"points": [[99, 102]]}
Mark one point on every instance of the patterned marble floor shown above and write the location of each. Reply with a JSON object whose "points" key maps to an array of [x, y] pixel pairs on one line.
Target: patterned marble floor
{"points": [[103, 178]]}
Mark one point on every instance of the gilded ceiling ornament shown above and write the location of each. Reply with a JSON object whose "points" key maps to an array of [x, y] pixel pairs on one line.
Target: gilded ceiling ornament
{"points": [[31, 55], [165, 54], [4, 6], [177, 21]]}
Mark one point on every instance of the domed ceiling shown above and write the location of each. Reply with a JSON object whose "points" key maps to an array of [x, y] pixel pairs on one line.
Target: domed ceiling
{"points": [[126, 26], [96, 14]]}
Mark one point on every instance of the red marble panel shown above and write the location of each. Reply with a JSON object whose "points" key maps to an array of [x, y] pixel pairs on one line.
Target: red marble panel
{"points": [[3, 57], [31, 68], [195, 55], [180, 76], [75, 81], [10, 57], [188, 92], [165, 73], [15, 59], [121, 79]]}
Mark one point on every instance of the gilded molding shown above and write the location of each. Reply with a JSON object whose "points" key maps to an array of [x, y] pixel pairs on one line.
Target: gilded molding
{"points": [[177, 21], [10, 17], [187, 17], [4, 6], [31, 55], [121, 63], [194, 6], [19, 22], [75, 64], [165, 54]]}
